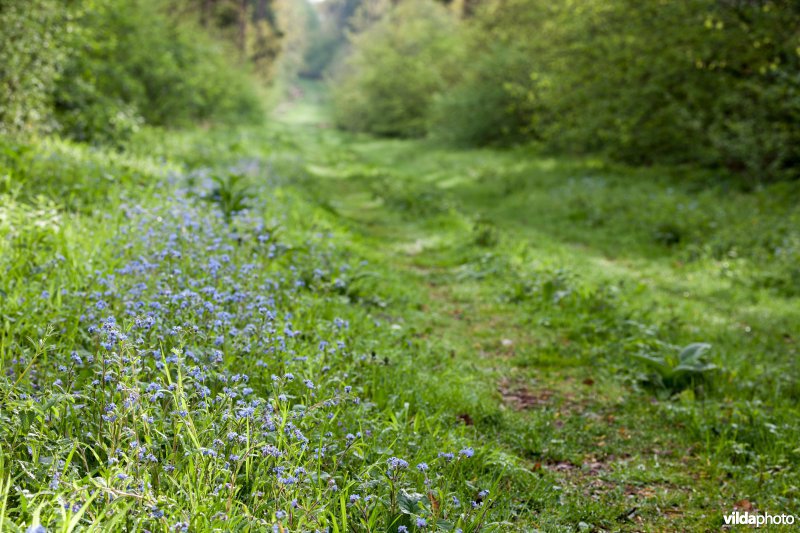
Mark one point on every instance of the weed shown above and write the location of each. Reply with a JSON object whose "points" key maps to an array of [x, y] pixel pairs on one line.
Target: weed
{"points": [[231, 193], [675, 372]]}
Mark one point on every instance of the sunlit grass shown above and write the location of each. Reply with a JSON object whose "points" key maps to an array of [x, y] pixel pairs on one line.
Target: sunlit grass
{"points": [[390, 303]]}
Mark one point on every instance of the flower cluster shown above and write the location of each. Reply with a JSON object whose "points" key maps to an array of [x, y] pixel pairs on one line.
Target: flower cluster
{"points": [[215, 363]]}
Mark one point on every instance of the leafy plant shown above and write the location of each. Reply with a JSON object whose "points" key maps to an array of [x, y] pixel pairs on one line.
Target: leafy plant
{"points": [[485, 233], [680, 370], [231, 193]]}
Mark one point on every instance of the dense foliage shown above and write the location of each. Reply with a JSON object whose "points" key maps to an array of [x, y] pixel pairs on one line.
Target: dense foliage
{"points": [[397, 66], [31, 52], [700, 81], [98, 69]]}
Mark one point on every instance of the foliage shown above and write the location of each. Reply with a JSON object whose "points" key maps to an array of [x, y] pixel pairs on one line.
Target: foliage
{"points": [[686, 368], [230, 194], [494, 102], [676, 82], [138, 66], [252, 29], [119, 65], [700, 81], [31, 52], [398, 64]]}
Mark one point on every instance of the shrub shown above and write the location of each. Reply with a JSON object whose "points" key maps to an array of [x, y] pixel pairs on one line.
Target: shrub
{"points": [[495, 101], [129, 63], [31, 50], [698, 81], [135, 65], [396, 67], [676, 82]]}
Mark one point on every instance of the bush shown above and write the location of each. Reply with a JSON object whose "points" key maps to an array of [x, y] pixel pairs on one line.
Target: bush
{"points": [[129, 63], [694, 81], [136, 65], [673, 82], [31, 50], [495, 102], [387, 84]]}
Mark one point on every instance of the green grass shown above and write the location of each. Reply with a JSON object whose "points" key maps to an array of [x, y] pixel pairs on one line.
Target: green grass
{"points": [[497, 300]]}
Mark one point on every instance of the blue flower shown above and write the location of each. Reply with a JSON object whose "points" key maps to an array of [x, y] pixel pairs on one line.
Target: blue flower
{"points": [[396, 463], [467, 452], [422, 467], [421, 522], [38, 528], [247, 412]]}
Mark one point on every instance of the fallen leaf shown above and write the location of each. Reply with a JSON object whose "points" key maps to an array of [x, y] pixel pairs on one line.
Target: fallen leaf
{"points": [[743, 505], [434, 503], [466, 419]]}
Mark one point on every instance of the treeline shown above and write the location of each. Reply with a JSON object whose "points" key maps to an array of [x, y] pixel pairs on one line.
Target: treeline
{"points": [[708, 82], [97, 70]]}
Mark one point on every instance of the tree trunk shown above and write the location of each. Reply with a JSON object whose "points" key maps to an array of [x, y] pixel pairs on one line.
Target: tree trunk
{"points": [[243, 26], [205, 12]]}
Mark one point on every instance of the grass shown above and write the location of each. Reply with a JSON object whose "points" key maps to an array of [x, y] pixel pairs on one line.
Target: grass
{"points": [[235, 329]]}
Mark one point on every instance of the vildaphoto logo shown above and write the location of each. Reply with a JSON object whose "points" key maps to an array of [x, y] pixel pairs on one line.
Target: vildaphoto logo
{"points": [[747, 518]]}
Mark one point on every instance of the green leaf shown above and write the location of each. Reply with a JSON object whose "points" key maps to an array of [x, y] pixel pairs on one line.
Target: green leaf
{"points": [[661, 367], [409, 502], [693, 352]]}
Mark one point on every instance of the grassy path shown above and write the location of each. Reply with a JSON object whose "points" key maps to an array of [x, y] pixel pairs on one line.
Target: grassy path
{"points": [[516, 326], [540, 309]]}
